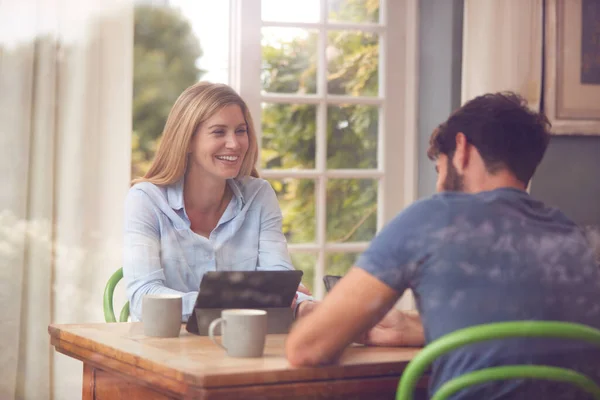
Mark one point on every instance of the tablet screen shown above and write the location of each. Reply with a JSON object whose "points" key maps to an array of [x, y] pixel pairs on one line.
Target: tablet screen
{"points": [[245, 289]]}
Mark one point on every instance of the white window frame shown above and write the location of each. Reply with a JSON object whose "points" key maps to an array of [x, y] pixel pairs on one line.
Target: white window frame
{"points": [[398, 85]]}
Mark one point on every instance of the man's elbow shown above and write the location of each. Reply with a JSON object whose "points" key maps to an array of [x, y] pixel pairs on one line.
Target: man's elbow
{"points": [[298, 353], [302, 353]]}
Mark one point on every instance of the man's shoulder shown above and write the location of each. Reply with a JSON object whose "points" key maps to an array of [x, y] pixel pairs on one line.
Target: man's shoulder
{"points": [[447, 208], [489, 203], [439, 204]]}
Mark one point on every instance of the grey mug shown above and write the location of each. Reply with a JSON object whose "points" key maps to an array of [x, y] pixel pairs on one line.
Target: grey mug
{"points": [[161, 315], [243, 332]]}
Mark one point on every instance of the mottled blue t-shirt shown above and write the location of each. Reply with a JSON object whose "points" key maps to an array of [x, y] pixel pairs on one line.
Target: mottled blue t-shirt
{"points": [[490, 257]]}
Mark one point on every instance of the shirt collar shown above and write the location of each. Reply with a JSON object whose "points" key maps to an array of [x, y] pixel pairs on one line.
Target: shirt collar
{"points": [[175, 193], [235, 186]]}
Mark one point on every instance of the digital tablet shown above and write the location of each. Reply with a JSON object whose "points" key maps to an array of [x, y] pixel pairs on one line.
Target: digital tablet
{"points": [[245, 289], [330, 281]]}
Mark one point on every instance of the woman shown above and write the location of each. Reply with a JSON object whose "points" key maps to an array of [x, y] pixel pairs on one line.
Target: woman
{"points": [[201, 206]]}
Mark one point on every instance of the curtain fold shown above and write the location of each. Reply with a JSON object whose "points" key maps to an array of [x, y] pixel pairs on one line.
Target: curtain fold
{"points": [[502, 48], [65, 144]]}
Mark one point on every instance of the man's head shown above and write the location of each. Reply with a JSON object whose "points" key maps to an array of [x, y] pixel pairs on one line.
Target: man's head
{"points": [[492, 141]]}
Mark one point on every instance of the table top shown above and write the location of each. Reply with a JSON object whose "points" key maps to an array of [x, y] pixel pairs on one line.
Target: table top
{"points": [[196, 361]]}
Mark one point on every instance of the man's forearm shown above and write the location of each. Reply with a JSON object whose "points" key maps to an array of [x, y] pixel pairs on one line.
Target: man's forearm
{"points": [[397, 328], [355, 304], [414, 335]]}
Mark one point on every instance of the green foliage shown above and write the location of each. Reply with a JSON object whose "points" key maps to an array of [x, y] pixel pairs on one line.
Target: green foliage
{"points": [[289, 134], [289, 67], [354, 10], [339, 263], [165, 55], [296, 206]]}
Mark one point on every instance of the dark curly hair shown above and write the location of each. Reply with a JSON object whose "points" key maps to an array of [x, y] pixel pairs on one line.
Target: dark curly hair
{"points": [[507, 134]]}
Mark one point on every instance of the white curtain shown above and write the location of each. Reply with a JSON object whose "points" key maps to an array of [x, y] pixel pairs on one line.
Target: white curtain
{"points": [[65, 132], [502, 48]]}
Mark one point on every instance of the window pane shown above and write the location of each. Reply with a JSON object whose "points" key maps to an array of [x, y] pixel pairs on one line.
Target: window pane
{"points": [[353, 10], [288, 136], [351, 210], [306, 262], [339, 263], [176, 44], [297, 201], [289, 57], [290, 11], [353, 63], [352, 136]]}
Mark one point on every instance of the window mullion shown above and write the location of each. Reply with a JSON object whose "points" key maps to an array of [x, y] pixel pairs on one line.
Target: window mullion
{"points": [[399, 80], [246, 57], [321, 156]]}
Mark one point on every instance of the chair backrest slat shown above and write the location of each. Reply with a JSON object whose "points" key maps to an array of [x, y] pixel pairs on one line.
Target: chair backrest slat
{"points": [[109, 290], [494, 331]]}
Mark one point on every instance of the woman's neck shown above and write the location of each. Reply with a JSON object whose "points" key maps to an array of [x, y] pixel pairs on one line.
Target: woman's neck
{"points": [[203, 194]]}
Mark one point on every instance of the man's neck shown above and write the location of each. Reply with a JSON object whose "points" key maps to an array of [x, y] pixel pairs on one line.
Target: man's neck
{"points": [[499, 180]]}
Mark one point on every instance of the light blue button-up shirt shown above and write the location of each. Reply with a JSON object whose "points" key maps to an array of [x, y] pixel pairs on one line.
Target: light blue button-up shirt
{"points": [[162, 255]]}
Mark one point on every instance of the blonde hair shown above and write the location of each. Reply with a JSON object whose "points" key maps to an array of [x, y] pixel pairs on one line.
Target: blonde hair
{"points": [[194, 106]]}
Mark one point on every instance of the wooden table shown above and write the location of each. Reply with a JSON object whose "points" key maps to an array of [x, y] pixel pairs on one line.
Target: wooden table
{"points": [[120, 362]]}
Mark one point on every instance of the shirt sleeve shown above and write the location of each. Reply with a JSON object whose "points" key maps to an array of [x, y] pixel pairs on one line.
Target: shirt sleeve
{"points": [[142, 269], [273, 253], [396, 253]]}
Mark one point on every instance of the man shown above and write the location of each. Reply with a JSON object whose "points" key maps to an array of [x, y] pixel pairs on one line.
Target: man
{"points": [[481, 251]]}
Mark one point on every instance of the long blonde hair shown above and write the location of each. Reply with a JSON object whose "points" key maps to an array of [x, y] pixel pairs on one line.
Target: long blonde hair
{"points": [[194, 106]]}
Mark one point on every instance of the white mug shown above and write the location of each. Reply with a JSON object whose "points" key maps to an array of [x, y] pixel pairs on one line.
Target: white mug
{"points": [[161, 315], [243, 332]]}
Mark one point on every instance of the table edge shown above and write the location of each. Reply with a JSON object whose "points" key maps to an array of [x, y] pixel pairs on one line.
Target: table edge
{"points": [[65, 342]]}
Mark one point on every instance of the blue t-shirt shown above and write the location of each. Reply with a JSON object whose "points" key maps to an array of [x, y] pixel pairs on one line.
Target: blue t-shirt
{"points": [[489, 257]]}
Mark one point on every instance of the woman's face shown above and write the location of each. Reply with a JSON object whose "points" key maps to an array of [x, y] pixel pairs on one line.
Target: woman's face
{"points": [[219, 146]]}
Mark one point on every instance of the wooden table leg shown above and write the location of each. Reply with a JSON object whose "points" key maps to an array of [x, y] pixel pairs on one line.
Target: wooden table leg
{"points": [[88, 382]]}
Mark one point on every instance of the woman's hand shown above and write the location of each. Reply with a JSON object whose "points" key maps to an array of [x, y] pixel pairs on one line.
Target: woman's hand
{"points": [[301, 289], [304, 289], [305, 308], [294, 301]]}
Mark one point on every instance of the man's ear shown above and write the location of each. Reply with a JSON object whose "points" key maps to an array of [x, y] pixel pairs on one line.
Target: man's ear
{"points": [[461, 154]]}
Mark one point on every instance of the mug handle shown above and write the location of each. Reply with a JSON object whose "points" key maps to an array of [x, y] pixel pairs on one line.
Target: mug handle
{"points": [[211, 331]]}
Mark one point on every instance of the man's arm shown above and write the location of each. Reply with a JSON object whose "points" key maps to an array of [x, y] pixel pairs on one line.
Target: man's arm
{"points": [[355, 304], [397, 328], [360, 300]]}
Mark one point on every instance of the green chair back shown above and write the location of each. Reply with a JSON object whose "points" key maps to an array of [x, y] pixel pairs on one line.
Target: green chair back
{"points": [[501, 330], [109, 290]]}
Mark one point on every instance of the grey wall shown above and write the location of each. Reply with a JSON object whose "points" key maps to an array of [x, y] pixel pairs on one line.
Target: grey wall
{"points": [[569, 177], [440, 60]]}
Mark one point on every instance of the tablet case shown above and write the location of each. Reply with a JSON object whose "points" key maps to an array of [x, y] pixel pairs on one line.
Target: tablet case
{"points": [[330, 281], [272, 291]]}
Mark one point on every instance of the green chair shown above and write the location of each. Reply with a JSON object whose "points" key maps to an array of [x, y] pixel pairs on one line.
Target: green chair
{"points": [[109, 313], [501, 330]]}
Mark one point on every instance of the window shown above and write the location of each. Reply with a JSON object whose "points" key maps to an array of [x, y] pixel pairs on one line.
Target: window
{"points": [[176, 44], [333, 85]]}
